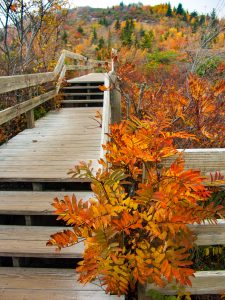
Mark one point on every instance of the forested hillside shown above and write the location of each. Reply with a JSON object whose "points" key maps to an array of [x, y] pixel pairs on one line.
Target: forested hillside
{"points": [[158, 46]]}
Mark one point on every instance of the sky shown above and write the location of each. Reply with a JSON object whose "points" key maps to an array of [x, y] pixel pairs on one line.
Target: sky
{"points": [[201, 6]]}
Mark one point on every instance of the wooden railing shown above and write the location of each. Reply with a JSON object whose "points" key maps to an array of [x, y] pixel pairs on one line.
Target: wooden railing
{"points": [[17, 82]]}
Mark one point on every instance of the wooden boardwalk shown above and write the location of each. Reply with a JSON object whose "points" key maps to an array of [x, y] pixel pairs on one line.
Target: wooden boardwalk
{"points": [[34, 169], [59, 141]]}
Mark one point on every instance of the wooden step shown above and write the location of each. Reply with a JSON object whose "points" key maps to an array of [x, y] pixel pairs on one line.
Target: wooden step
{"points": [[41, 283], [80, 87], [205, 282], [30, 241], [33, 203], [83, 94], [83, 101]]}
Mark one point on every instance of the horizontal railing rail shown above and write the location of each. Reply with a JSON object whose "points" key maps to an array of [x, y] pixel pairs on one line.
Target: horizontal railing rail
{"points": [[16, 82]]}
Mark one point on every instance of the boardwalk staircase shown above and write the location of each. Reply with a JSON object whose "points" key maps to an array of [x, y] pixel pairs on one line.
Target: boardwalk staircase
{"points": [[33, 171], [84, 91]]}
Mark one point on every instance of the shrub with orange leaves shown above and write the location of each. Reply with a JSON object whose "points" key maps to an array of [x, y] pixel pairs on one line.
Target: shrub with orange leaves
{"points": [[195, 105], [135, 227]]}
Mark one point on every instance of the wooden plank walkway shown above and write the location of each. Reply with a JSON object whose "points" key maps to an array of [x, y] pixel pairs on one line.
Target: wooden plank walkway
{"points": [[40, 155], [91, 77], [59, 141]]}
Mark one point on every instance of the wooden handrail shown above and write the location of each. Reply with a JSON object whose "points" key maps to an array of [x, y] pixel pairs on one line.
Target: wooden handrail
{"points": [[16, 110], [16, 82]]}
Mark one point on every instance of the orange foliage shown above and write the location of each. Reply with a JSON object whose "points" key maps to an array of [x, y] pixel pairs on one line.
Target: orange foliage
{"points": [[135, 228]]}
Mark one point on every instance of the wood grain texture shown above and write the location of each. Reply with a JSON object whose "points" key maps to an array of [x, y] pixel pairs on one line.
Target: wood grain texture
{"points": [[205, 160], [38, 284], [55, 295], [205, 282], [61, 140], [209, 234], [30, 241], [34, 203], [16, 82]]}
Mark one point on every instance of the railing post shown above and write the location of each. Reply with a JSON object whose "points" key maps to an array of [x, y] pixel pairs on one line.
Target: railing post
{"points": [[30, 119], [115, 94], [115, 99]]}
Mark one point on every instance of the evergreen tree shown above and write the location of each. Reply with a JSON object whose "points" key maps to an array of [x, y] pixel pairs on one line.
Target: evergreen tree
{"points": [[109, 41], [103, 21], [213, 18], [117, 24], [101, 44], [147, 40], [94, 37], [127, 31], [141, 32], [184, 17], [202, 20], [80, 29], [169, 12], [194, 14], [65, 37], [121, 5], [180, 10]]}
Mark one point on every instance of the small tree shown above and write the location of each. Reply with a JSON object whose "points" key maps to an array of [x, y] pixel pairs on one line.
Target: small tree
{"points": [[135, 227], [80, 29], [127, 31], [21, 21], [94, 35], [169, 12], [117, 25], [180, 10]]}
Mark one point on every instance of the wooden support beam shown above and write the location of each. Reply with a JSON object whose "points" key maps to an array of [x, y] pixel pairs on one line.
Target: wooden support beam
{"points": [[37, 186], [16, 261]]}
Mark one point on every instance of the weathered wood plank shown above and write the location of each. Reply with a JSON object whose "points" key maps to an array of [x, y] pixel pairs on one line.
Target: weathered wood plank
{"points": [[39, 283], [37, 157], [205, 282], [15, 294], [59, 64], [14, 111], [47, 177], [205, 160], [34, 203], [209, 234], [78, 67], [16, 82], [30, 241], [73, 55], [30, 118]]}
